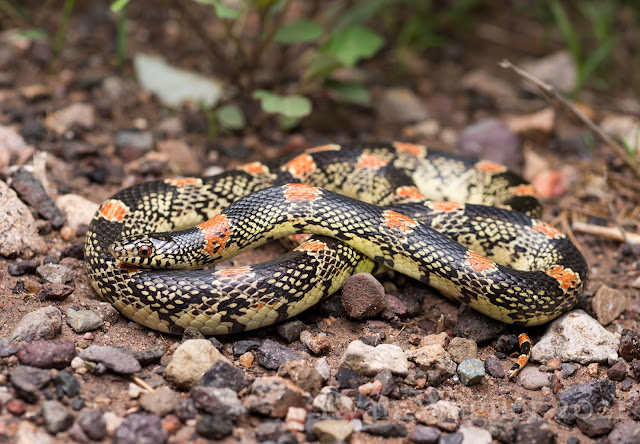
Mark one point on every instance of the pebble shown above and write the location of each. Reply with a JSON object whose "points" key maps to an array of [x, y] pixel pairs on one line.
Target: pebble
{"points": [[348, 378], [7, 349], [43, 323], [369, 361], [329, 401], [443, 414], [581, 398], [608, 304], [394, 308], [493, 366], [635, 366], [112, 358], [140, 428], [385, 377], [569, 369], [295, 419], [161, 401], [78, 210], [190, 360], [333, 430], [246, 359], [112, 421], [107, 312], [223, 374], [272, 354], [319, 345], [55, 273], [290, 331], [218, 401], [422, 434], [557, 69], [31, 191], [56, 417], [183, 160], [476, 326], [83, 321], [627, 432], [630, 345], [18, 232], [433, 358], [386, 429], [531, 378], [322, 367], [634, 410], [133, 144], [28, 381], [475, 435], [214, 427], [594, 425], [92, 424], [66, 384], [452, 438], [271, 430], [16, 407], [186, 409], [507, 344], [535, 430], [55, 292], [242, 347], [20, 268], [47, 354], [493, 140], [503, 430], [578, 337], [460, 349], [303, 374], [144, 357], [618, 371], [441, 339], [75, 115], [171, 423], [28, 434], [363, 296], [471, 371], [273, 395]]}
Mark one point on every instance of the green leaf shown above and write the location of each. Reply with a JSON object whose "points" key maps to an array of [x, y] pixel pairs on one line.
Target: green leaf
{"points": [[118, 5], [361, 12], [300, 31], [349, 91], [222, 11], [32, 34], [288, 106], [349, 45], [230, 117], [321, 65]]}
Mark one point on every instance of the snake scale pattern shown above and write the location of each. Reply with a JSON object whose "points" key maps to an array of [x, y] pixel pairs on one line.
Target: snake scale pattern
{"points": [[468, 228]]}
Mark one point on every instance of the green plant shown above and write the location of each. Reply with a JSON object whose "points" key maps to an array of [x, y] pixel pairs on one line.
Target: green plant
{"points": [[588, 56]]}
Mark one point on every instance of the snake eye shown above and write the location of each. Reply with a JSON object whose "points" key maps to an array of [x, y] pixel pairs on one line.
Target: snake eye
{"points": [[144, 251]]}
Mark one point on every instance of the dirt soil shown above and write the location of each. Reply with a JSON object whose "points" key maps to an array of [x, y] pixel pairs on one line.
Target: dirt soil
{"points": [[84, 160]]}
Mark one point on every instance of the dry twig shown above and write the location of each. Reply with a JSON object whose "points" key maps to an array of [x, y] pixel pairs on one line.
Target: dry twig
{"points": [[612, 233]]}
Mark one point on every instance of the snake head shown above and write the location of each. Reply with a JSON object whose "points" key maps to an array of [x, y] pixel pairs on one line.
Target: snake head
{"points": [[146, 251]]}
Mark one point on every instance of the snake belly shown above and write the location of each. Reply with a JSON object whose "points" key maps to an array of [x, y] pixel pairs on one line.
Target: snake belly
{"points": [[466, 227]]}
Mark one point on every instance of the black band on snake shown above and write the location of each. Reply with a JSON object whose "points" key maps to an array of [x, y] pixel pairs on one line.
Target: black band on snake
{"points": [[477, 239]]}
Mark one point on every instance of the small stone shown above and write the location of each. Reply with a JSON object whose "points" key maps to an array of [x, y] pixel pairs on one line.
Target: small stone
{"points": [[7, 349], [272, 354], [20, 268], [272, 396], [618, 371], [31, 191], [363, 296], [531, 378], [471, 371], [322, 367], [83, 320], [594, 425], [18, 231], [171, 423], [55, 292], [92, 424], [47, 354], [491, 139], [348, 378], [242, 347], [28, 381], [295, 419], [140, 428], [190, 361], [144, 357], [78, 210], [16, 407], [503, 430], [507, 344], [475, 435], [394, 307], [55, 273], [535, 430], [569, 369], [443, 414], [223, 374], [329, 401], [578, 337], [557, 69], [319, 345], [186, 409], [56, 417], [401, 105], [74, 115], [425, 435], [433, 358], [386, 429], [441, 339], [460, 349], [370, 361], [44, 323], [290, 331], [452, 438], [627, 432], [385, 377], [107, 312], [371, 389], [182, 159], [246, 359], [554, 364], [161, 401], [584, 398], [493, 366], [634, 410], [630, 345], [303, 374], [332, 430], [217, 401], [608, 304], [112, 358], [214, 427], [133, 143], [66, 384]]}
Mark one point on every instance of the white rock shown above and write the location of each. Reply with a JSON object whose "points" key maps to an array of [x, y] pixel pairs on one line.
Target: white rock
{"points": [[18, 232], [78, 114], [433, 357], [189, 362], [79, 211], [370, 361], [475, 435], [578, 337]]}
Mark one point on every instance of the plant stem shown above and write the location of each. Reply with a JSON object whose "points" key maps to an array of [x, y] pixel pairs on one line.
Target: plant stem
{"points": [[61, 33]]}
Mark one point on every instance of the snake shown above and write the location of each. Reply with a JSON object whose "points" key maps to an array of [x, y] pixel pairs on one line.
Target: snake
{"points": [[469, 228]]}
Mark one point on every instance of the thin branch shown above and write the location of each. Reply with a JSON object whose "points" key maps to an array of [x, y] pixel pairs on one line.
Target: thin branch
{"points": [[550, 93], [612, 233]]}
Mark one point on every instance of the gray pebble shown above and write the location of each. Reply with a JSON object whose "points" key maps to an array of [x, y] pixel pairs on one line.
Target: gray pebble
{"points": [[112, 358], [217, 401], [55, 273], [161, 401], [29, 380], [290, 331], [140, 428], [213, 427], [44, 323], [471, 371], [83, 321], [223, 374], [425, 434], [272, 354], [493, 366], [56, 417]]}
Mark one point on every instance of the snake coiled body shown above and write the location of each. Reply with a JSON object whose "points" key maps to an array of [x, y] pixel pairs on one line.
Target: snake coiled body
{"points": [[507, 264]]}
